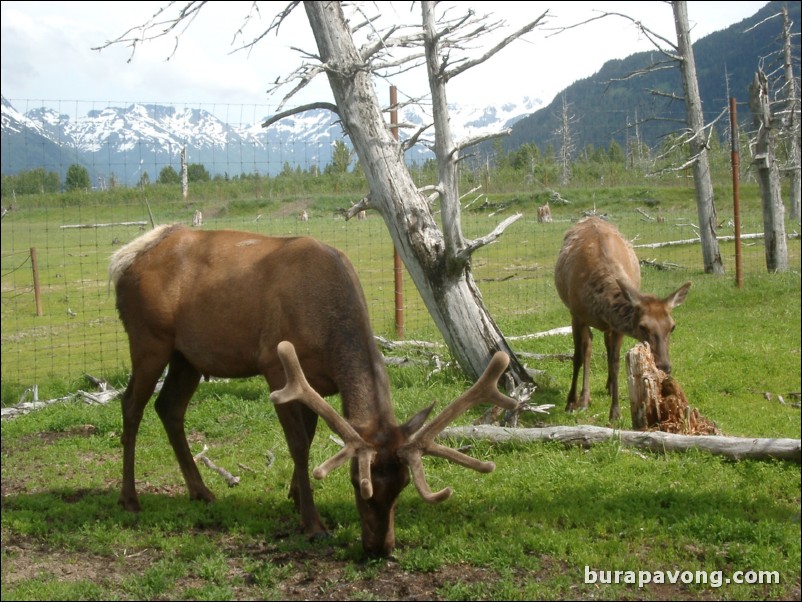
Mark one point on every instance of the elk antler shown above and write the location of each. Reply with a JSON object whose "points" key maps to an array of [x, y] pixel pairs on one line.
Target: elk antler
{"points": [[299, 389], [422, 441]]}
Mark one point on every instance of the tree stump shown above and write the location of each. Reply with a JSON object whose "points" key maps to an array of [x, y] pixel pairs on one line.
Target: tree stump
{"points": [[544, 214], [657, 401]]}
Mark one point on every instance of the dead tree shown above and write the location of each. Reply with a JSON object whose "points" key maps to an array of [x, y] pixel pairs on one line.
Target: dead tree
{"points": [[786, 106], [705, 206], [697, 132], [768, 175], [792, 119], [566, 141], [438, 261]]}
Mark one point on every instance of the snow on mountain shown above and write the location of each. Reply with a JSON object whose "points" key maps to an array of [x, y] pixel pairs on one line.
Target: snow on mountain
{"points": [[145, 134]]}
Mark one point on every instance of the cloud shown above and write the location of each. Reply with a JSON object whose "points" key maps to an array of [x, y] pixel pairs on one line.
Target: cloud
{"points": [[47, 50]]}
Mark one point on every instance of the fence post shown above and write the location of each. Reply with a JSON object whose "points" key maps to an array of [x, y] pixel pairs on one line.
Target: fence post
{"points": [[736, 198], [36, 292]]}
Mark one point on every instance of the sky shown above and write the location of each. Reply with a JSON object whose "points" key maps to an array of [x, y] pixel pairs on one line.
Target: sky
{"points": [[49, 57]]}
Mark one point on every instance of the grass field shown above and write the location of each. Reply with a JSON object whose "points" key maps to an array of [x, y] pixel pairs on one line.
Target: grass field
{"points": [[549, 523]]}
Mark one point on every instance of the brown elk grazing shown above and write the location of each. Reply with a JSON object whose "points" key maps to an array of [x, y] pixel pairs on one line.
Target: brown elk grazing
{"points": [[237, 304], [598, 278]]}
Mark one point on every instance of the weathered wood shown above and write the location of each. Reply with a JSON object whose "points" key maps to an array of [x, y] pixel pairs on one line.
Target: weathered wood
{"points": [[657, 401], [544, 214], [768, 174], [105, 225], [737, 448], [232, 480], [691, 241], [697, 141], [437, 260]]}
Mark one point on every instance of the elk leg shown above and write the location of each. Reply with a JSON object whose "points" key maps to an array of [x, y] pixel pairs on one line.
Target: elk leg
{"points": [[171, 406], [299, 424], [582, 348], [613, 342], [144, 375]]}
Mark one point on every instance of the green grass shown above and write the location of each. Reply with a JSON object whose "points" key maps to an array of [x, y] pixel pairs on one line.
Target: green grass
{"points": [[515, 274], [533, 524], [526, 531]]}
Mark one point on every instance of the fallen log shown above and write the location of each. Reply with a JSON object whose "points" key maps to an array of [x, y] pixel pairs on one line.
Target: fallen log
{"points": [[690, 241], [105, 225], [737, 448]]}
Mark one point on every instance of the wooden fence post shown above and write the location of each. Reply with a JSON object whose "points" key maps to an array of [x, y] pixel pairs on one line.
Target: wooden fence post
{"points": [[36, 292]]}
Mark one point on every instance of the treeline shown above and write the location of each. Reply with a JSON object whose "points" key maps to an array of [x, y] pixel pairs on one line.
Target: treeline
{"points": [[523, 169]]}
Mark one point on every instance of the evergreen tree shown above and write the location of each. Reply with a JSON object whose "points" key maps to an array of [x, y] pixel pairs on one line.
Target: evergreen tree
{"points": [[168, 175], [340, 159], [197, 173], [77, 178], [33, 181]]}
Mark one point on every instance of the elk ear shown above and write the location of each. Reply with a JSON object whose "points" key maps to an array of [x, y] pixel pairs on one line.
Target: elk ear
{"points": [[415, 423], [678, 296], [631, 294]]}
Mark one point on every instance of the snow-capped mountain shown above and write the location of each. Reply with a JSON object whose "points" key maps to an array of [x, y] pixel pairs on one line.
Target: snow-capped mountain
{"points": [[125, 141]]}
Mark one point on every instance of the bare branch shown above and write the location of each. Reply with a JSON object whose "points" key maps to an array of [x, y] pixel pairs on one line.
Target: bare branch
{"points": [[143, 33], [670, 95], [303, 75], [361, 205], [473, 141], [413, 140], [465, 254], [278, 19], [639, 72], [301, 109], [767, 19], [500, 46]]}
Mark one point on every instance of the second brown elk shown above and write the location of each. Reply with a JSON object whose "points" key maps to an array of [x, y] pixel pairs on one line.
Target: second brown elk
{"points": [[598, 278], [237, 304]]}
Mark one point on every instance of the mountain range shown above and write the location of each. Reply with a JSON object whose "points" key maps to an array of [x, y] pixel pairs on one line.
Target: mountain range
{"points": [[124, 142], [608, 105]]}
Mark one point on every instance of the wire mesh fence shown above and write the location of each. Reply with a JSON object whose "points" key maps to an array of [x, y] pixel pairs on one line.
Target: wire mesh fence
{"points": [[66, 326], [58, 309]]}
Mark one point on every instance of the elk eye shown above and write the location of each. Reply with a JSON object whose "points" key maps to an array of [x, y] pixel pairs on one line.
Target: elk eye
{"points": [[673, 327]]}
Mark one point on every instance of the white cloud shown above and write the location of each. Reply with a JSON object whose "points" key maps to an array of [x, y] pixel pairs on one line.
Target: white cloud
{"points": [[47, 51]]}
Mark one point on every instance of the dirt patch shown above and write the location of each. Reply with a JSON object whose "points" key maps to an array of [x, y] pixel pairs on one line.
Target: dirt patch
{"points": [[306, 575]]}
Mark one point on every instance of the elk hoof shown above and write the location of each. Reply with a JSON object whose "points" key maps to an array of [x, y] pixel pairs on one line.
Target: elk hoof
{"points": [[202, 496], [574, 407], [131, 504], [319, 536]]}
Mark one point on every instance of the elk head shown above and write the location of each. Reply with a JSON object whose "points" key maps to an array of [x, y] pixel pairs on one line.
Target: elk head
{"points": [[383, 455]]}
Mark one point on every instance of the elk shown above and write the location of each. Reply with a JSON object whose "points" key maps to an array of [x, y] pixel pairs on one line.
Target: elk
{"points": [[237, 304], [597, 275]]}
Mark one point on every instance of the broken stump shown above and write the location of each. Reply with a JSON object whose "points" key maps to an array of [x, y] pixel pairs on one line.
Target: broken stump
{"points": [[657, 401]]}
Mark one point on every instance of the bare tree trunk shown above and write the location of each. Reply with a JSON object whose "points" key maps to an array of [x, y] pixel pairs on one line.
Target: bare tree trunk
{"points": [[705, 206], [768, 176], [567, 143], [792, 106], [184, 175], [438, 262]]}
